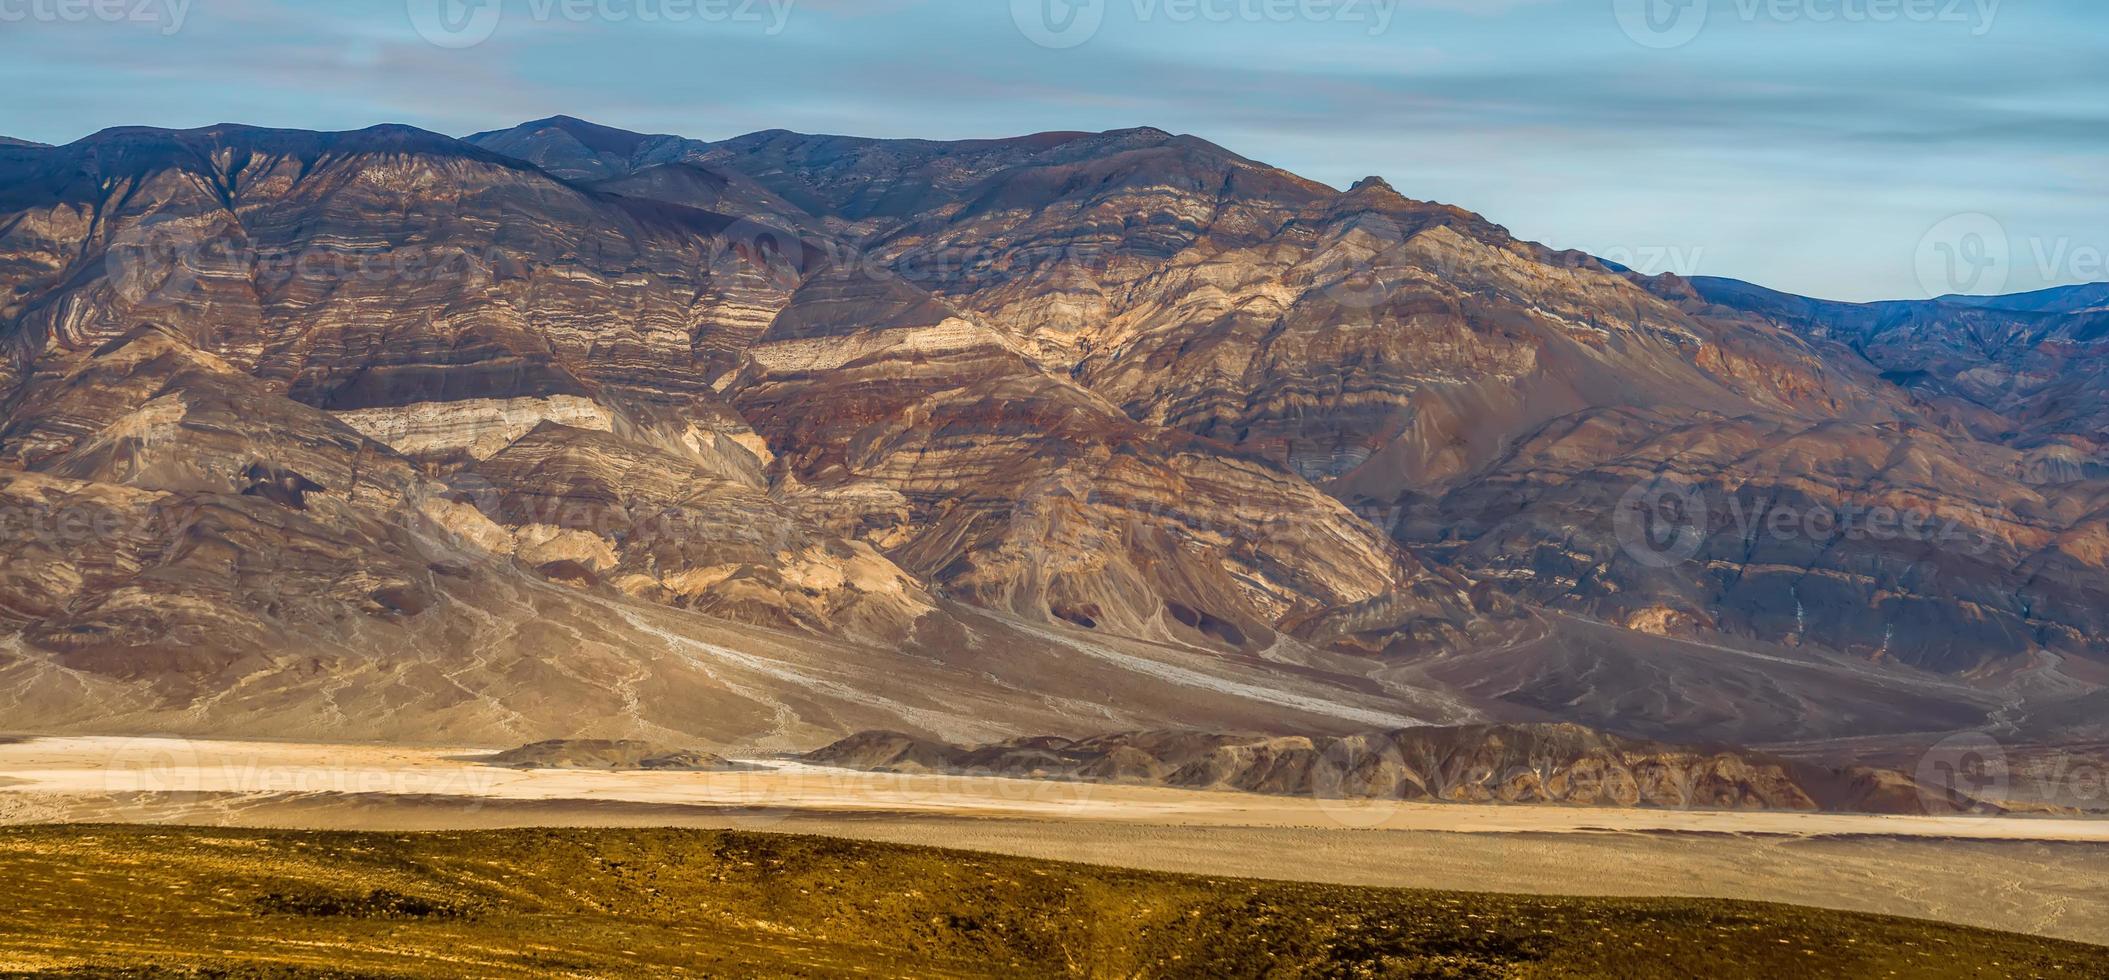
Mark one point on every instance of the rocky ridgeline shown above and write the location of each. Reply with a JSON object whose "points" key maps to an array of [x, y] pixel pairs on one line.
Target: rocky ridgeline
{"points": [[612, 755], [1515, 764]]}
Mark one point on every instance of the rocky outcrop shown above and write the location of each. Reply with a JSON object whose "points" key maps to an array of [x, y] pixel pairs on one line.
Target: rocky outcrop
{"points": [[1529, 764], [612, 755], [167, 506], [590, 508]]}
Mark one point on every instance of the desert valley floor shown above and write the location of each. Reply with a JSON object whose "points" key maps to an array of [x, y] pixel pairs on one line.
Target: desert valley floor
{"points": [[2036, 875]]}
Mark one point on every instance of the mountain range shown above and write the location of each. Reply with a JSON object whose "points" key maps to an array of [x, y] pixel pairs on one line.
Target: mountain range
{"points": [[566, 431]]}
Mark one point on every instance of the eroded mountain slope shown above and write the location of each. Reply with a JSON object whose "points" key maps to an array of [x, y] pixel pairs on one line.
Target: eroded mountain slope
{"points": [[379, 433], [1126, 408]]}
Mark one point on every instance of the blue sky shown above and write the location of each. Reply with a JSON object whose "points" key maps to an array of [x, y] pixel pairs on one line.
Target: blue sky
{"points": [[1822, 146]]}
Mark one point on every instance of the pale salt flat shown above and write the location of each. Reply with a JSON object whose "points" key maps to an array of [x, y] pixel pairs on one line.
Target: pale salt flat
{"points": [[2038, 875], [103, 765]]}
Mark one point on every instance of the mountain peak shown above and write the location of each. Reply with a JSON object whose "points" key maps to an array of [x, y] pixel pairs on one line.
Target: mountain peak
{"points": [[385, 137], [1374, 183], [559, 119], [77, 170], [593, 135]]}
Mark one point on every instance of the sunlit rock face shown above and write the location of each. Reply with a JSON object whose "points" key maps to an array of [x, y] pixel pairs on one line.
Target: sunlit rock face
{"points": [[1077, 512], [389, 391], [330, 346], [1480, 397], [442, 364], [166, 507]]}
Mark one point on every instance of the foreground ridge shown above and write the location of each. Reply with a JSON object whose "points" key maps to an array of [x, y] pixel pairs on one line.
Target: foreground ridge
{"points": [[527, 903]]}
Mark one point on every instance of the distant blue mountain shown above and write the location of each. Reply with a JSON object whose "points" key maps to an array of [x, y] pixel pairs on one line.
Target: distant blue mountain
{"points": [[2058, 299]]}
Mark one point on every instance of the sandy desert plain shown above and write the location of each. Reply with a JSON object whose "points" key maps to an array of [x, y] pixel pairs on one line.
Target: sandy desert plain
{"points": [[2043, 876]]}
